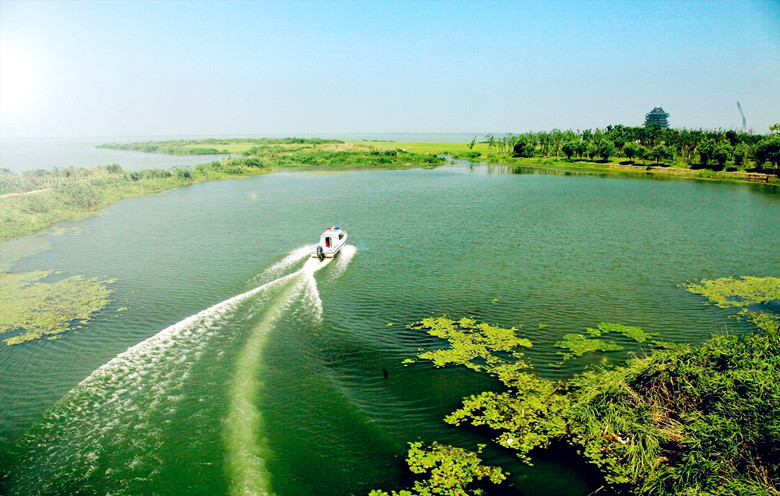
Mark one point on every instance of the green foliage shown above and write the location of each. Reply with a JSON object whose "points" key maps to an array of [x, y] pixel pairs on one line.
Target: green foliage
{"points": [[467, 155], [706, 149], [210, 146], [479, 347], [524, 149], [569, 148], [730, 292], [740, 154], [62, 194], [683, 420], [688, 421], [768, 151], [721, 154], [637, 334], [605, 149], [661, 152], [578, 345], [631, 150], [448, 471], [529, 415]]}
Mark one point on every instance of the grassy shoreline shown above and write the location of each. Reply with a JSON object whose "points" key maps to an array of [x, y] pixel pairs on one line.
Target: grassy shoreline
{"points": [[34, 200], [480, 153], [37, 199]]}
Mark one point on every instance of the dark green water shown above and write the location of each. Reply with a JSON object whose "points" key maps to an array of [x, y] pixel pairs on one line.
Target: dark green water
{"points": [[241, 367]]}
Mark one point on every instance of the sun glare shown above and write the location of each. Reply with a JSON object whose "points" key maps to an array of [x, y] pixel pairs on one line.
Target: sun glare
{"points": [[19, 80]]}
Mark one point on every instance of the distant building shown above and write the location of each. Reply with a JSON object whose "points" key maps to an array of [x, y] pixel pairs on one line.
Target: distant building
{"points": [[657, 116]]}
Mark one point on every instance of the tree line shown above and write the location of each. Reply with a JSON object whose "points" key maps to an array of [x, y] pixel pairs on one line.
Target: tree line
{"points": [[709, 149]]}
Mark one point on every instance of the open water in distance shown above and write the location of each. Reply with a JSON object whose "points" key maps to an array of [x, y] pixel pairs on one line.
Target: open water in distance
{"points": [[28, 154], [242, 366]]}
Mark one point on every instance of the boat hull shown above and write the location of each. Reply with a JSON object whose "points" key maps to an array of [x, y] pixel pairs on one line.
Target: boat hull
{"points": [[331, 243]]}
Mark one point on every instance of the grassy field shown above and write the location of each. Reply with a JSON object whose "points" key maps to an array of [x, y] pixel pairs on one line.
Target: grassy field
{"points": [[434, 148]]}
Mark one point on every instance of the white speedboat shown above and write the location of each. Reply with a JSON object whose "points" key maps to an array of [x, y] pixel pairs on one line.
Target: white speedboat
{"points": [[331, 241]]}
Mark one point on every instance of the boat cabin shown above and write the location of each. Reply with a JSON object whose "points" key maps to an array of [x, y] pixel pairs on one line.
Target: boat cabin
{"points": [[332, 237]]}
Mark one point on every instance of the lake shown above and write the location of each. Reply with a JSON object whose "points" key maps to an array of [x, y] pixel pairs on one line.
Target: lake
{"points": [[230, 362], [21, 155]]}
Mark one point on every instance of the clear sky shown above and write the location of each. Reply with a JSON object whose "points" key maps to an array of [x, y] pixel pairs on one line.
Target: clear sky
{"points": [[108, 68]]}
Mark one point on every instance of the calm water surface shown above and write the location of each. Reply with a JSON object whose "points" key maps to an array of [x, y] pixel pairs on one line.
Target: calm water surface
{"points": [[242, 367], [21, 155]]}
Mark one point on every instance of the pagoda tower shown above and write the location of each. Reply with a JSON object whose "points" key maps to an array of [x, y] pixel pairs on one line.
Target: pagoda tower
{"points": [[657, 116]]}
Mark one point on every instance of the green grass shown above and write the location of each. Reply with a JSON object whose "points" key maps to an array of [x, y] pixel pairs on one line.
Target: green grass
{"points": [[83, 192], [211, 146], [36, 199]]}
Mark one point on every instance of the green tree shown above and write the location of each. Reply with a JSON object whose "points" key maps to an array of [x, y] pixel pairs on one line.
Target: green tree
{"points": [[471, 144], [582, 148], [642, 153], [524, 148], [721, 154], [630, 150], [661, 152], [740, 154], [591, 149], [605, 149], [706, 149], [768, 150], [569, 148], [491, 141]]}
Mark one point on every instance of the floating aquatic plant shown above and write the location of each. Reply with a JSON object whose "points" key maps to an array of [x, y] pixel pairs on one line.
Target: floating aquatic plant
{"points": [[752, 295], [578, 345], [35, 309]]}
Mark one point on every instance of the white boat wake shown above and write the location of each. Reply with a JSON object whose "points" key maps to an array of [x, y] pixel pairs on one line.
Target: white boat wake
{"points": [[109, 433]]}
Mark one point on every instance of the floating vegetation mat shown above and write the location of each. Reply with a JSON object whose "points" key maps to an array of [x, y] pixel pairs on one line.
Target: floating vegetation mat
{"points": [[754, 296], [578, 344], [35, 305], [35, 309]]}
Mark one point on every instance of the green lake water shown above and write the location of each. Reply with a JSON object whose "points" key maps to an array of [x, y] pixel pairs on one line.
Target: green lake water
{"points": [[243, 366]]}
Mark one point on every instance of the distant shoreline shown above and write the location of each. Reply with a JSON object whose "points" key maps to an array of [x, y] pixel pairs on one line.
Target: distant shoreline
{"points": [[74, 193]]}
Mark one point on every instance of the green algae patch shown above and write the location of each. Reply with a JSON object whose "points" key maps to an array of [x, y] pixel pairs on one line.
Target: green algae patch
{"points": [[636, 333], [34, 309], [692, 419], [752, 295], [577, 345], [478, 346]]}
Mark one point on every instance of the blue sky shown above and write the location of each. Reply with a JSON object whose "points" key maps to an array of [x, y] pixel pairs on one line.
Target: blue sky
{"points": [[83, 69]]}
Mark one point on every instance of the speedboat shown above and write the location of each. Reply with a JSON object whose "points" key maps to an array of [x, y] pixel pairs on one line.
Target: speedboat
{"points": [[331, 241]]}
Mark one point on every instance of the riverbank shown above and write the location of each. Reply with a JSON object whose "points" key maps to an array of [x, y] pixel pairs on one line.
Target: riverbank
{"points": [[34, 200], [481, 153], [31, 202], [37, 199]]}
